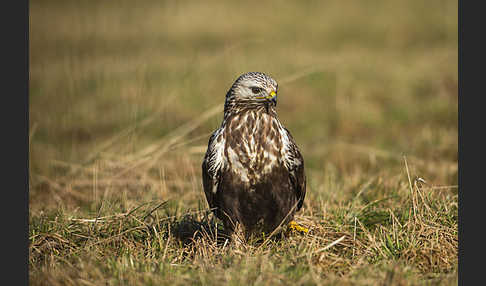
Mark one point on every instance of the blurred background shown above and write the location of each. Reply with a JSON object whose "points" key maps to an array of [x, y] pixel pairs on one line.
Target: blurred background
{"points": [[124, 94]]}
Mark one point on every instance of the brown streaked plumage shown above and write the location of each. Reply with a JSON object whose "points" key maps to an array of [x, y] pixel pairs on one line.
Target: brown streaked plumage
{"points": [[253, 172]]}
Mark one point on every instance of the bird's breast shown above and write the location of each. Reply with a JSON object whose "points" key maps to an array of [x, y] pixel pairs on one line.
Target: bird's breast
{"points": [[253, 145]]}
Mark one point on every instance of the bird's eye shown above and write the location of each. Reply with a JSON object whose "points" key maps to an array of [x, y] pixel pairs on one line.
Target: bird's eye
{"points": [[256, 90]]}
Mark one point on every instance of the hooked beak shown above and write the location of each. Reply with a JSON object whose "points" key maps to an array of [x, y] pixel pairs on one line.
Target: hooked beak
{"points": [[273, 97]]}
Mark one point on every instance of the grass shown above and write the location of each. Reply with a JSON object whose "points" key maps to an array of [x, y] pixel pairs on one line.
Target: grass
{"points": [[123, 98]]}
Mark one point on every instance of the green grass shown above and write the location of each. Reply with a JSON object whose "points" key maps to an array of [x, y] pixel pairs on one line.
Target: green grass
{"points": [[123, 98]]}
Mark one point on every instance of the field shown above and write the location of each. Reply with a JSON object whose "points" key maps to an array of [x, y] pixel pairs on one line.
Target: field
{"points": [[123, 98]]}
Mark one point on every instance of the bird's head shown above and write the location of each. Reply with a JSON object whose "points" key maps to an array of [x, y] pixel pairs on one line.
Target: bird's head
{"points": [[253, 88]]}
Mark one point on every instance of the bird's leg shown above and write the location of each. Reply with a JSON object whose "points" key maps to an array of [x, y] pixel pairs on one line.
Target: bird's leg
{"points": [[294, 226]]}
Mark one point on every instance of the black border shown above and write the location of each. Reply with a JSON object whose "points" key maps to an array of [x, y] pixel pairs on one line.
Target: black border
{"points": [[470, 142], [14, 119], [25, 90]]}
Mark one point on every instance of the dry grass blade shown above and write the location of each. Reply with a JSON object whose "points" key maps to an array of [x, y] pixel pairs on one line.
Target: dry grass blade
{"points": [[153, 153], [116, 138], [329, 245]]}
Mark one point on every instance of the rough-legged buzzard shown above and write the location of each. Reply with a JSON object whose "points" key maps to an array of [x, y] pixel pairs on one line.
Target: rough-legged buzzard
{"points": [[253, 172]]}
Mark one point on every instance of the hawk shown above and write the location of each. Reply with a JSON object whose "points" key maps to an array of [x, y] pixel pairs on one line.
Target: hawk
{"points": [[253, 172]]}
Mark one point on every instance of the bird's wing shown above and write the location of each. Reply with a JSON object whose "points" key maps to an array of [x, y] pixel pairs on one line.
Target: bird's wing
{"points": [[212, 167], [295, 165]]}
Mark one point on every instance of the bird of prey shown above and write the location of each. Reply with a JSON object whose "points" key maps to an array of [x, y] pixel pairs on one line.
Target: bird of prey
{"points": [[253, 172]]}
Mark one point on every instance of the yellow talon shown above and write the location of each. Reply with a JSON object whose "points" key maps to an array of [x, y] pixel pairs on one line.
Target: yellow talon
{"points": [[296, 227]]}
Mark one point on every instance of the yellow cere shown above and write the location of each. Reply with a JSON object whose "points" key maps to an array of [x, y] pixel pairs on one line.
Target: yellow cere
{"points": [[270, 96]]}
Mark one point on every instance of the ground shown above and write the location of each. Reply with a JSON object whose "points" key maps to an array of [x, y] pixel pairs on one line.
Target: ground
{"points": [[123, 98]]}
